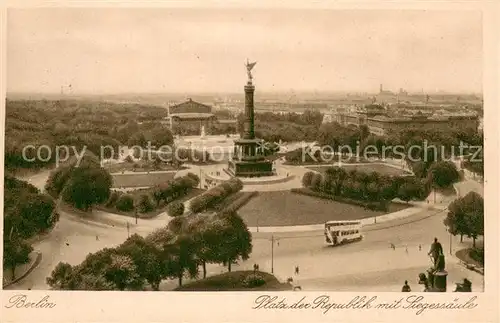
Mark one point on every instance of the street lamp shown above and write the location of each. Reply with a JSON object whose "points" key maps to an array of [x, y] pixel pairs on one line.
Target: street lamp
{"points": [[433, 186], [272, 253], [450, 241], [200, 178]]}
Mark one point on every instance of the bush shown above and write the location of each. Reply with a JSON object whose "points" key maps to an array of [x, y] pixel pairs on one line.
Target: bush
{"points": [[227, 187], [235, 185], [176, 224], [145, 204], [194, 177], [316, 181], [175, 209], [128, 159], [253, 280], [240, 202], [113, 198], [306, 180], [125, 203], [197, 204], [215, 195]]}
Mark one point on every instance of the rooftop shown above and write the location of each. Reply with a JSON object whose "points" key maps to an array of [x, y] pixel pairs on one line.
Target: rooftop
{"points": [[193, 115]]}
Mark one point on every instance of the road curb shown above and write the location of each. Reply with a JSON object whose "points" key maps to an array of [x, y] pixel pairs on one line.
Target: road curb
{"points": [[366, 227], [38, 260]]}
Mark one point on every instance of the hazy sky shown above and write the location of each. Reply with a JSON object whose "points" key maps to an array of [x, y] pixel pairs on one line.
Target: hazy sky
{"points": [[204, 50]]}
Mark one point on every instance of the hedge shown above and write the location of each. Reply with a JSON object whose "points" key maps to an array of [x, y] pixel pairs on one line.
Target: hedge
{"points": [[125, 203], [240, 201], [215, 195]]}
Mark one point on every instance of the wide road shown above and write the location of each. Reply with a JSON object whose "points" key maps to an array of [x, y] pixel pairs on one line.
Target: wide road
{"points": [[368, 265]]}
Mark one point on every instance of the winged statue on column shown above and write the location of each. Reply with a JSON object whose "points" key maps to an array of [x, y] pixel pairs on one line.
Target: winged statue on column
{"points": [[249, 67]]}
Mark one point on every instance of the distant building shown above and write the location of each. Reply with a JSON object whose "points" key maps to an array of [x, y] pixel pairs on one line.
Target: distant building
{"points": [[382, 91], [381, 123], [190, 113], [286, 107], [308, 106]]}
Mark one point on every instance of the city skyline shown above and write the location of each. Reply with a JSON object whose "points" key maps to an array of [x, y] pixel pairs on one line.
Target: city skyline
{"points": [[108, 51]]}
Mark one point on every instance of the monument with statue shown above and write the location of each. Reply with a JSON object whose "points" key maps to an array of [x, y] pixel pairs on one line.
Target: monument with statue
{"points": [[436, 278], [248, 158]]}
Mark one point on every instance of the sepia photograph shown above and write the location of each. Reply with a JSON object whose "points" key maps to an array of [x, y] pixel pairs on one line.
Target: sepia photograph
{"points": [[243, 150]]}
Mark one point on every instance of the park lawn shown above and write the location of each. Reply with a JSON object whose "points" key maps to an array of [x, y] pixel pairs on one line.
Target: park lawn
{"points": [[137, 193], [379, 168], [282, 208], [141, 180], [232, 281]]}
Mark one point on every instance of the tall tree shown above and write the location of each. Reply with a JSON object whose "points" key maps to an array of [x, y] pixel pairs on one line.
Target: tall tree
{"points": [[61, 277], [26, 214], [466, 216], [146, 258], [182, 258], [87, 186], [15, 252], [443, 174], [236, 240]]}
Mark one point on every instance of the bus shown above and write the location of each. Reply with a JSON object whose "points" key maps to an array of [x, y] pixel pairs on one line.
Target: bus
{"points": [[340, 232]]}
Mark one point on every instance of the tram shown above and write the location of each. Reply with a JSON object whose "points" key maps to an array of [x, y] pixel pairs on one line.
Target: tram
{"points": [[341, 232]]}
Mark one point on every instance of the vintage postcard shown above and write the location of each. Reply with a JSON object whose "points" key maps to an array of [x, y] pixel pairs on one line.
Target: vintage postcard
{"points": [[328, 162]]}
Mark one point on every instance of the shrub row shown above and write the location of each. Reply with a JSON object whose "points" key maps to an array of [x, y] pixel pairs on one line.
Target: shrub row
{"points": [[162, 194], [239, 201], [215, 195], [366, 187], [173, 189]]}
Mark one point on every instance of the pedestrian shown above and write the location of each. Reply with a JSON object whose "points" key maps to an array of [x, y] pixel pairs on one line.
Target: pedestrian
{"points": [[96, 237], [406, 249], [419, 247], [296, 270], [406, 288]]}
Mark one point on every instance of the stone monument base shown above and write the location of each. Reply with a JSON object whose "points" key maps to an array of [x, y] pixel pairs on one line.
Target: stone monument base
{"points": [[257, 168]]}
